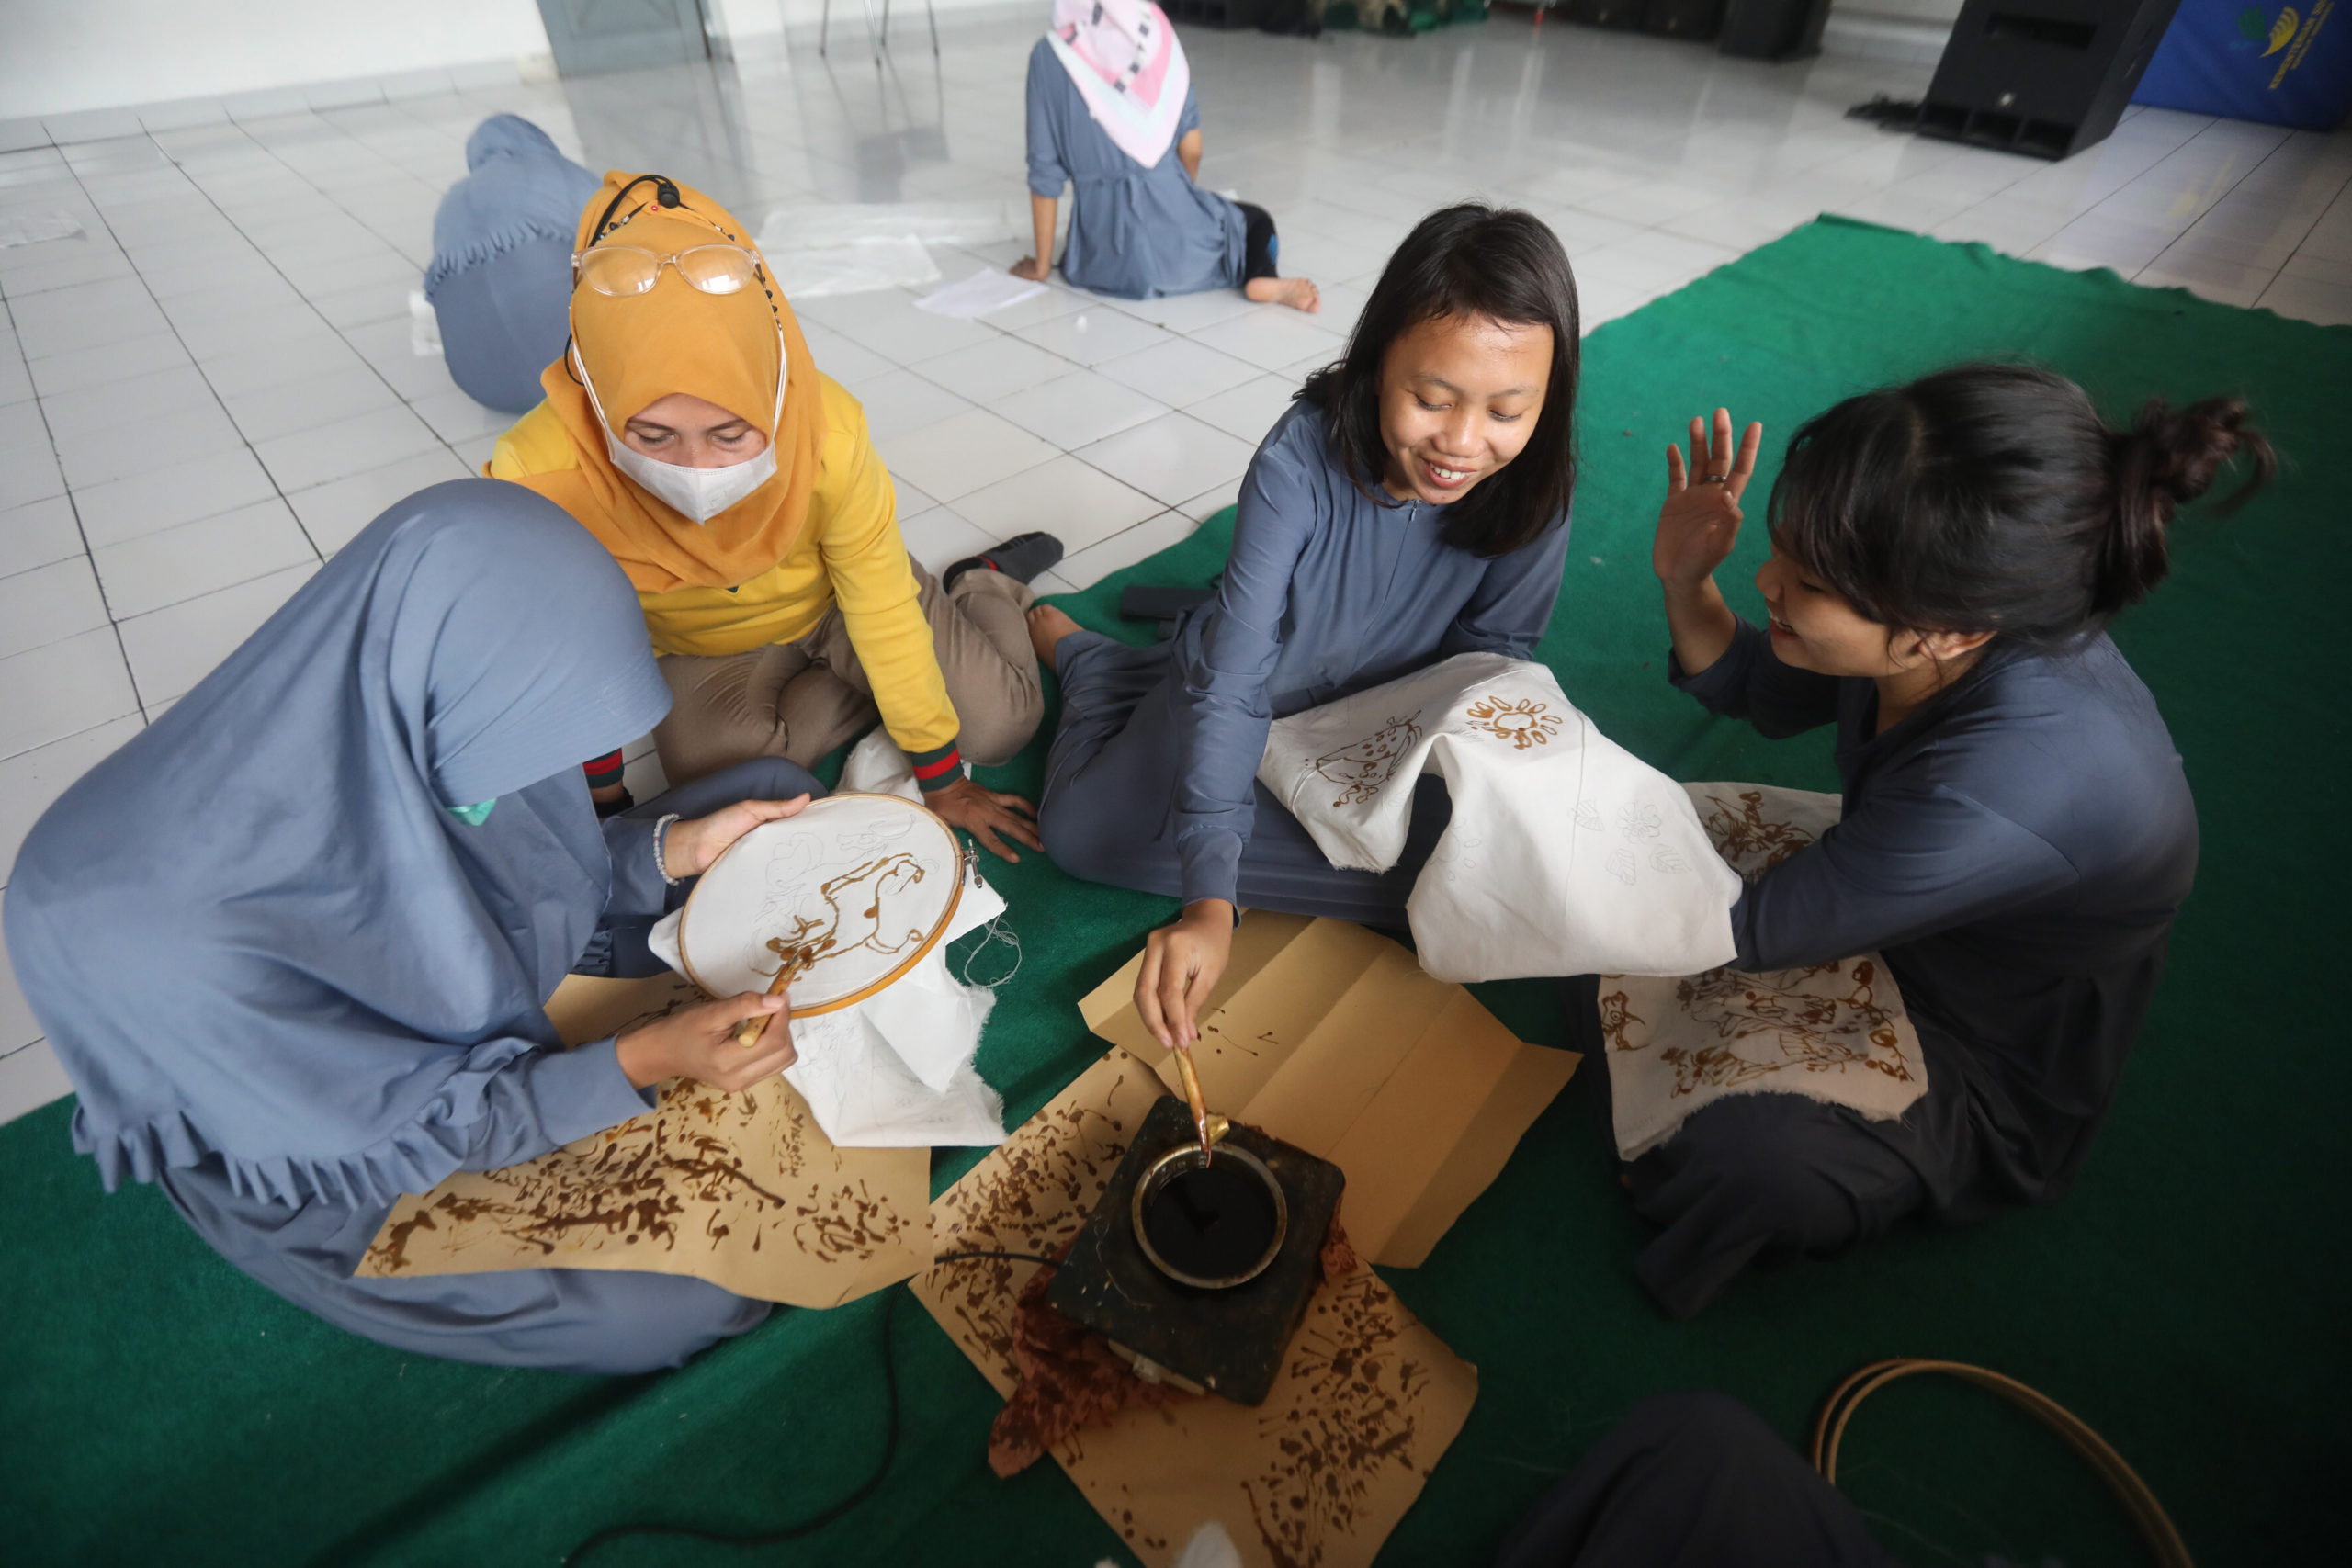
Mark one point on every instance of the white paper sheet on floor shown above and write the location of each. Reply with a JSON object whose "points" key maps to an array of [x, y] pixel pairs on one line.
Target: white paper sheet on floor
{"points": [[1835, 1031], [859, 247], [1565, 854], [32, 227], [895, 1070], [974, 296]]}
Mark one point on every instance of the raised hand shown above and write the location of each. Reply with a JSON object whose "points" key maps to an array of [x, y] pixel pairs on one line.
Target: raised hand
{"points": [[1699, 521]]}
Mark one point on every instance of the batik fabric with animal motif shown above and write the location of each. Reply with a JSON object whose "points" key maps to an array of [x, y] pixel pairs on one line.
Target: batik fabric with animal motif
{"points": [[1836, 1032], [1565, 854]]}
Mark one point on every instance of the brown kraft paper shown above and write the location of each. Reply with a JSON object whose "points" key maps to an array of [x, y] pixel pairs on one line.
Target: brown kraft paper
{"points": [[743, 1189], [1316, 1477], [1331, 1038]]}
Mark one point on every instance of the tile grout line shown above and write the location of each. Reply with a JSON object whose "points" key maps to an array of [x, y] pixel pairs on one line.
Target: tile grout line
{"points": [[195, 182], [7, 309], [149, 290]]}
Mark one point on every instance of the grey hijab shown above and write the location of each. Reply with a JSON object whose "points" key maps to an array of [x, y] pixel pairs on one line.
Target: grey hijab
{"points": [[517, 188], [260, 931]]}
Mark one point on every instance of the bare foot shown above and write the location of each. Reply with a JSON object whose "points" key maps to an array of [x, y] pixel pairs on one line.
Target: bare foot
{"points": [[1048, 627], [1295, 292]]}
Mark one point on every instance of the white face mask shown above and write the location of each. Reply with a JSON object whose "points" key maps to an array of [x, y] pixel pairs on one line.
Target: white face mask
{"points": [[697, 494]]}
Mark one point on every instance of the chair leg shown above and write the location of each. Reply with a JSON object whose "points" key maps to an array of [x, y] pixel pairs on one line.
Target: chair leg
{"points": [[932, 12], [871, 37], [824, 25]]}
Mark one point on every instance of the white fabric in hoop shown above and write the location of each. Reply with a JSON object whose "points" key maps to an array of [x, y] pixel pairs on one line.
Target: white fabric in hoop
{"points": [[1834, 1031], [1566, 856]]}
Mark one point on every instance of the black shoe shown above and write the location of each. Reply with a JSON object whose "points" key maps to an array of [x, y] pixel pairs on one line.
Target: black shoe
{"points": [[614, 807], [1019, 558]]}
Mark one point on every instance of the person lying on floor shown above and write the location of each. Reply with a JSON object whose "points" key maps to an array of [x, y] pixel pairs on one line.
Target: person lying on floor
{"points": [[292, 941], [1110, 98], [689, 431], [1412, 504], [2017, 832], [499, 282]]}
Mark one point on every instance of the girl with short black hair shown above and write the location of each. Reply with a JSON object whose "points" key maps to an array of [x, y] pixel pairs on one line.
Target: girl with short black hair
{"points": [[1410, 506], [2017, 832]]}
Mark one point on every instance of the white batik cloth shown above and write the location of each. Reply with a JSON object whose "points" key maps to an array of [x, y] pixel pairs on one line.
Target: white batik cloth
{"points": [[895, 1070], [1565, 854], [1835, 1031]]}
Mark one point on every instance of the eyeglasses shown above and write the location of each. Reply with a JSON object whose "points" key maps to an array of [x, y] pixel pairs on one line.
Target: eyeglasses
{"points": [[624, 270]]}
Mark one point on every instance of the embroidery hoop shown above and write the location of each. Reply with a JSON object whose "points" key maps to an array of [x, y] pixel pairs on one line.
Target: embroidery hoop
{"points": [[921, 818]]}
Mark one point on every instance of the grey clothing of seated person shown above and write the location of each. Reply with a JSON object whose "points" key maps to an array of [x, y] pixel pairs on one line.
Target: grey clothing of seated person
{"points": [[352, 863], [1135, 234], [1152, 781], [501, 278], [2016, 850], [1691, 1481]]}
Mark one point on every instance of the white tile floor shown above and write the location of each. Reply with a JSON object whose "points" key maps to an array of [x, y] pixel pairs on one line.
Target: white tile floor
{"points": [[212, 388]]}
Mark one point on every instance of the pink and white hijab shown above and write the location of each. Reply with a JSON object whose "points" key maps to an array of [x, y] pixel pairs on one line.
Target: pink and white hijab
{"points": [[1128, 66]]}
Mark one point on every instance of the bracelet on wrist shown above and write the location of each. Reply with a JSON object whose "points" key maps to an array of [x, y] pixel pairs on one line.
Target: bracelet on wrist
{"points": [[662, 848]]}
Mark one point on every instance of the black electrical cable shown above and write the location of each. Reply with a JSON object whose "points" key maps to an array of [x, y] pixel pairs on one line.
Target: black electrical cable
{"points": [[865, 1489]]}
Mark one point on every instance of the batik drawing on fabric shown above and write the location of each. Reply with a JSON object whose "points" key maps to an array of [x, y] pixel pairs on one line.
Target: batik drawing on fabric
{"points": [[743, 1189], [1565, 854], [852, 891], [1367, 1400], [1835, 1031]]}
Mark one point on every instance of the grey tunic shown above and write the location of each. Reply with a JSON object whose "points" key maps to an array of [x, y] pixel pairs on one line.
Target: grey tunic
{"points": [[1135, 234], [1152, 779], [562, 1319], [2016, 850]]}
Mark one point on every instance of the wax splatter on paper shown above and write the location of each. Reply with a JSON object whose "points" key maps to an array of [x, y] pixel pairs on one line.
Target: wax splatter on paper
{"points": [[1316, 1477], [743, 1189]]}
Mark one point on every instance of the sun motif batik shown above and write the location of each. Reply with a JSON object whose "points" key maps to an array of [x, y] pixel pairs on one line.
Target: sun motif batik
{"points": [[1523, 722]]}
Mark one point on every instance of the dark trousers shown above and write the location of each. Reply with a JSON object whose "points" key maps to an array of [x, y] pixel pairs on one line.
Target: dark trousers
{"points": [[1261, 246], [1691, 1481], [1760, 1177]]}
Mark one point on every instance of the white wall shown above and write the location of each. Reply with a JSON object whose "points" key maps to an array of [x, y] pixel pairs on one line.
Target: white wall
{"points": [[57, 56]]}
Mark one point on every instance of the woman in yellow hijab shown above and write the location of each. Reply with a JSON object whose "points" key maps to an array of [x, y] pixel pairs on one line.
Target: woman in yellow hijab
{"points": [[736, 485]]}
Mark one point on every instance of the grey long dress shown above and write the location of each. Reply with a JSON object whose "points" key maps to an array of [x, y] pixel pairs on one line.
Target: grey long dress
{"points": [[1135, 234], [2016, 850], [292, 942], [1152, 779]]}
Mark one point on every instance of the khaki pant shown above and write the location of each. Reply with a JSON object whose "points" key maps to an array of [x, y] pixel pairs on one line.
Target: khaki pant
{"points": [[799, 700]]}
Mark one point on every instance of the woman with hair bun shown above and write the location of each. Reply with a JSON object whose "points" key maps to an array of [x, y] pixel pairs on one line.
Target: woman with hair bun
{"points": [[2017, 832]]}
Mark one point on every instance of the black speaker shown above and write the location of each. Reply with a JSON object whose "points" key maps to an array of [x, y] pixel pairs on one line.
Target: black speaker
{"points": [[1774, 29], [1618, 14], [1695, 19], [2044, 77]]}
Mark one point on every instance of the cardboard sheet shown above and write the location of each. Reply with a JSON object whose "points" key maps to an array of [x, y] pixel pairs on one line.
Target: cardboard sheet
{"points": [[1330, 1036], [1320, 1473], [742, 1190]]}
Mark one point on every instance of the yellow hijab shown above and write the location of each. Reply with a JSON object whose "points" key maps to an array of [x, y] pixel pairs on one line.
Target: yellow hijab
{"points": [[722, 348]]}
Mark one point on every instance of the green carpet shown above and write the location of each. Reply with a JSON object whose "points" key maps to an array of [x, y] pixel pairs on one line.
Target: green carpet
{"points": [[157, 1407]]}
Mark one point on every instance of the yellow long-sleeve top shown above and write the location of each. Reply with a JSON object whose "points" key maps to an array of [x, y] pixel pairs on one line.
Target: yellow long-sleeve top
{"points": [[850, 553]]}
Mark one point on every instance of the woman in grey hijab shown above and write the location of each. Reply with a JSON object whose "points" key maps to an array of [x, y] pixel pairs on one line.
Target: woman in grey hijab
{"points": [[292, 942], [501, 279]]}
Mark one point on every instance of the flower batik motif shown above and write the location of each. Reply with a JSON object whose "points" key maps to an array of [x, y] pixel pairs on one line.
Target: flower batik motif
{"points": [[1362, 768], [1524, 723], [1550, 863], [1835, 1031]]}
